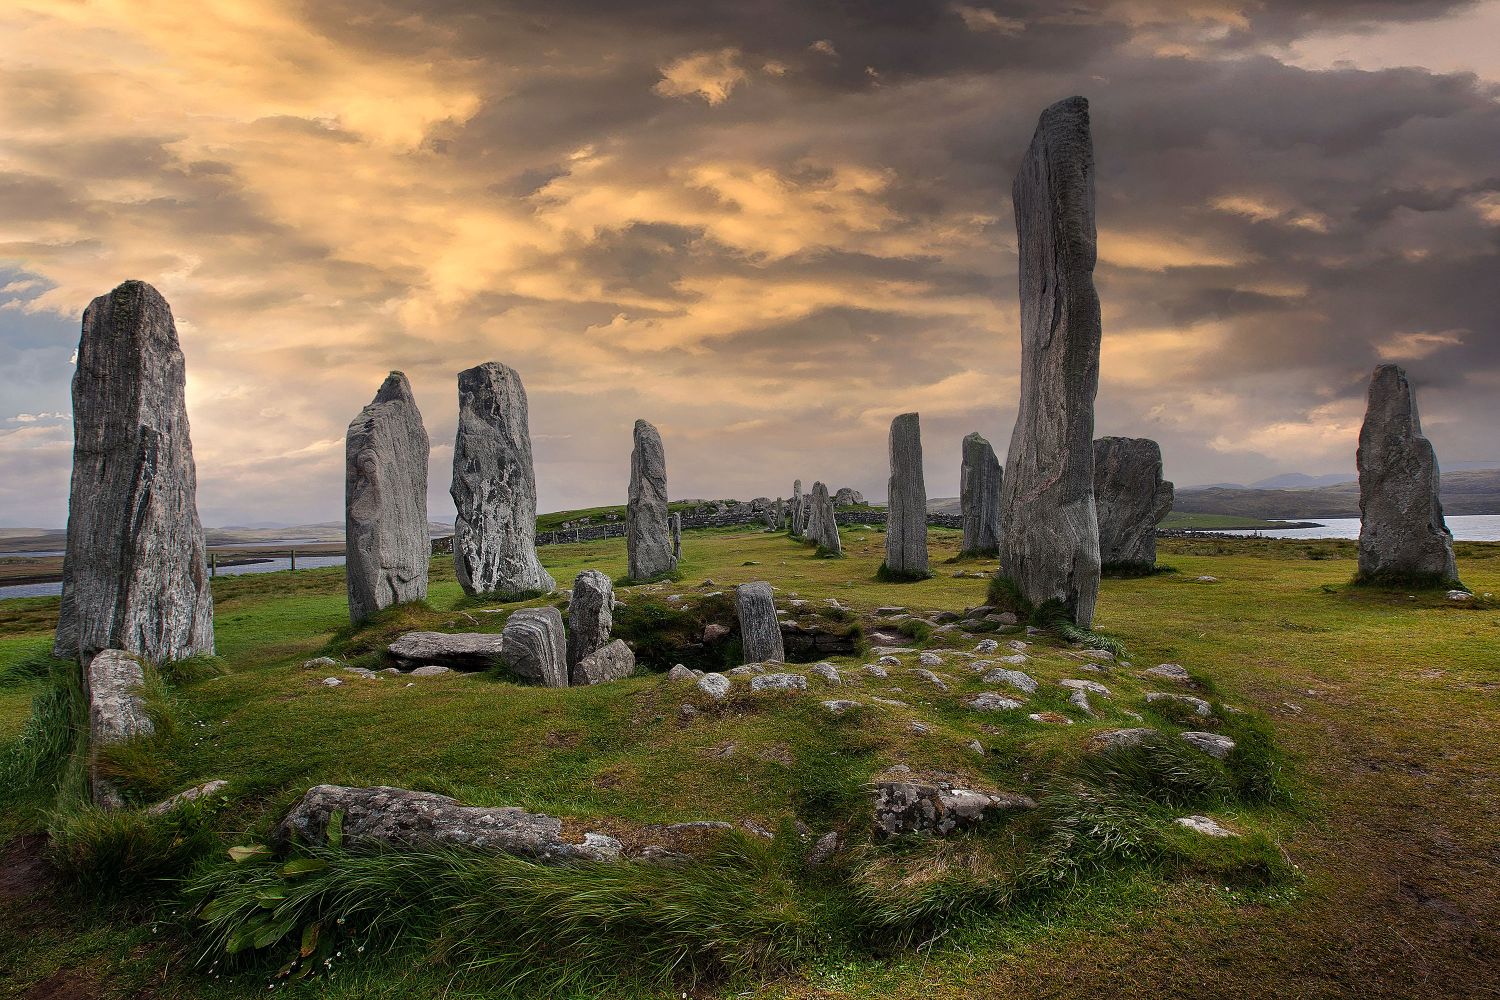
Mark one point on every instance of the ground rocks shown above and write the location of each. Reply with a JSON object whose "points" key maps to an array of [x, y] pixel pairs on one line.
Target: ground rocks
{"points": [[590, 614], [610, 662], [460, 650], [906, 516], [1197, 706], [1022, 682], [1173, 672], [778, 682], [1213, 744], [206, 790], [1112, 739], [648, 530], [906, 807], [760, 633], [534, 647], [1205, 826], [980, 479], [716, 686], [991, 702], [1131, 499]]}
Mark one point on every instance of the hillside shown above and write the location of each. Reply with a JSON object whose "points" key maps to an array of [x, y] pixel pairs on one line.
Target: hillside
{"points": [[1467, 491]]}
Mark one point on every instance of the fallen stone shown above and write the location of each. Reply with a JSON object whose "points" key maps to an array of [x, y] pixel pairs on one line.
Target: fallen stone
{"points": [[1205, 826], [716, 686], [611, 662], [778, 682], [680, 673], [1080, 701], [931, 678], [1092, 687], [991, 702], [875, 670], [332, 682], [460, 650], [930, 660], [535, 647], [828, 672], [823, 850], [1213, 744], [909, 807]]}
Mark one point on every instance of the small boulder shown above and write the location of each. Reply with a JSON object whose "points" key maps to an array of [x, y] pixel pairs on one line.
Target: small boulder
{"points": [[460, 650], [931, 678], [716, 686], [1198, 706], [1205, 826], [1173, 672], [930, 660], [431, 670], [1022, 682], [611, 662], [778, 682], [1092, 687], [906, 807], [1112, 739], [840, 705], [332, 682], [986, 647], [679, 673], [828, 672], [991, 702], [203, 791], [1213, 744]]}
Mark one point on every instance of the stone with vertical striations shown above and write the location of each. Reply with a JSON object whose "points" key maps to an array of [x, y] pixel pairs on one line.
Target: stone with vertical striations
{"points": [[760, 632], [135, 577], [590, 614], [494, 487], [532, 646], [822, 527], [1131, 499], [906, 518], [113, 684], [1049, 530], [1402, 533], [797, 524], [386, 547], [652, 535], [980, 478]]}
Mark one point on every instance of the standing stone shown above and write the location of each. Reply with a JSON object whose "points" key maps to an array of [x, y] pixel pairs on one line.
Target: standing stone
{"points": [[652, 535], [134, 570], [980, 478], [780, 515], [532, 646], [797, 524], [822, 526], [494, 487], [1049, 531], [906, 516], [769, 513], [1402, 534], [760, 632], [590, 614], [386, 547], [1131, 499]]}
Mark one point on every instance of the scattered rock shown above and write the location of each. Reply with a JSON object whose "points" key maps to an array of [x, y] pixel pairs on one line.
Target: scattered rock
{"points": [[828, 672], [840, 706], [823, 850], [1022, 682], [986, 646], [977, 747], [716, 686], [611, 662], [321, 663], [931, 678], [1173, 672], [1459, 596], [1050, 718], [919, 728], [1080, 701], [431, 670], [1110, 739], [1197, 705], [930, 660], [1213, 744], [679, 673], [906, 807], [778, 682], [460, 650], [875, 670], [203, 791], [1092, 687], [332, 682], [991, 702], [1205, 826]]}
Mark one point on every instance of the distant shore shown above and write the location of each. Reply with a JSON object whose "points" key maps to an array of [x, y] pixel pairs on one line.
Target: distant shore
{"points": [[20, 570]]}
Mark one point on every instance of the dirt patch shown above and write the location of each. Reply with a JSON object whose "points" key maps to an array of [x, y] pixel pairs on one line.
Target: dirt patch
{"points": [[24, 871], [63, 985]]}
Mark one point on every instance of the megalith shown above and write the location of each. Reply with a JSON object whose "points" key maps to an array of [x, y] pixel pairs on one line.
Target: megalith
{"points": [[532, 646], [649, 540], [386, 541], [980, 478], [494, 487], [591, 611], [822, 525], [797, 524], [1049, 531], [906, 512], [760, 631], [135, 576], [1402, 534], [1131, 499]]}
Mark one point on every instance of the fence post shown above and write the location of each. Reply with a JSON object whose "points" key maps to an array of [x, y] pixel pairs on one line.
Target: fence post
{"points": [[213, 565], [294, 560]]}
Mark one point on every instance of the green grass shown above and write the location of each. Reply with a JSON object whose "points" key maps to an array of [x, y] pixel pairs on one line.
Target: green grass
{"points": [[1368, 784]]}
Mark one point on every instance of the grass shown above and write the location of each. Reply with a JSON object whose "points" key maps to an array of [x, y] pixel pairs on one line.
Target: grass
{"points": [[1351, 764]]}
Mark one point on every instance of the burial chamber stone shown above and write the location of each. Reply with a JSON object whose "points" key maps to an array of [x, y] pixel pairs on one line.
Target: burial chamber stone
{"points": [[591, 612], [760, 632], [649, 544], [1130, 498], [135, 576], [1049, 530], [459, 650], [980, 479], [610, 662], [533, 646], [906, 519], [386, 547], [822, 527], [494, 487], [1402, 533]]}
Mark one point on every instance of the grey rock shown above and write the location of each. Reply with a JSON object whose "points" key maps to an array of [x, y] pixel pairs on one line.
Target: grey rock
{"points": [[1198, 706], [386, 546], [1049, 543], [1110, 739], [534, 646], [135, 577], [648, 523], [1050, 718], [918, 728], [332, 682], [928, 659], [824, 849], [113, 681], [1022, 682], [1205, 826], [906, 514], [320, 663], [847, 497], [206, 790], [610, 662], [680, 673], [1080, 701], [397, 817], [828, 672], [494, 487], [460, 650], [909, 807], [875, 670], [821, 526], [839, 706], [986, 646], [797, 518], [1213, 744], [931, 678], [590, 614], [716, 686], [760, 633], [778, 682], [1173, 672], [1130, 498], [676, 538], [980, 479], [1091, 687], [991, 702], [1402, 532], [431, 670]]}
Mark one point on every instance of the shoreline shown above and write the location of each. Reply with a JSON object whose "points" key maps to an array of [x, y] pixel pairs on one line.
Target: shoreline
{"points": [[20, 571]]}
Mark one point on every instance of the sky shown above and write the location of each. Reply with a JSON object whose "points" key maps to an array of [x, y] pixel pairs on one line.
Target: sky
{"points": [[767, 227]]}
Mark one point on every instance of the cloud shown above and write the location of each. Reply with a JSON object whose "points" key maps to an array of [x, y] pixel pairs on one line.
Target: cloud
{"points": [[709, 75]]}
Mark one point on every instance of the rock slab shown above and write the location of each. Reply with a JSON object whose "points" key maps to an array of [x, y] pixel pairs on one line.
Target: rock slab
{"points": [[611, 662], [494, 487], [591, 614], [1049, 542], [386, 547], [135, 576], [649, 533], [116, 712], [1131, 499], [904, 807], [906, 516], [534, 646], [980, 480], [1402, 532], [760, 632], [458, 650]]}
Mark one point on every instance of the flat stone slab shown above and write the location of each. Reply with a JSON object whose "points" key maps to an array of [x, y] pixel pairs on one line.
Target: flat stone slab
{"points": [[1091, 687], [459, 650], [991, 702], [1213, 744], [1022, 682], [1205, 826], [906, 807], [398, 817], [1173, 672], [778, 682]]}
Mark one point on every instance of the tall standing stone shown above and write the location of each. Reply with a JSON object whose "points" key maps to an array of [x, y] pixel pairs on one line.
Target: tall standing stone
{"points": [[760, 632], [1049, 531], [1402, 534], [1131, 499], [591, 614], [386, 546], [134, 570], [822, 525], [906, 513], [494, 487], [797, 524], [980, 479], [649, 541], [676, 537]]}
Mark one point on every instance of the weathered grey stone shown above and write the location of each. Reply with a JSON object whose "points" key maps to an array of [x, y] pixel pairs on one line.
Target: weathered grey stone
{"points": [[716, 686], [680, 673], [929, 659], [116, 712], [650, 537], [827, 671], [1049, 540], [1173, 672], [432, 670], [397, 817], [906, 807], [494, 487], [590, 614], [676, 538], [134, 571], [838, 706], [821, 526], [206, 790], [930, 678], [797, 523], [991, 702], [1017, 679], [778, 682], [906, 514], [980, 479], [1111, 739], [1130, 498], [610, 662], [846, 497], [460, 650], [1402, 533], [534, 646], [1205, 825], [332, 682], [1213, 744], [760, 632], [1092, 687], [1197, 706]]}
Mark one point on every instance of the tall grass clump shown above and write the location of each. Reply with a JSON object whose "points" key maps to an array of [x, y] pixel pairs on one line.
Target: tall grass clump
{"points": [[127, 852], [41, 764]]}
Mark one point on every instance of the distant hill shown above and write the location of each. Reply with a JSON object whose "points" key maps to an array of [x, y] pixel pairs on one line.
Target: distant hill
{"points": [[1465, 491], [1302, 481]]}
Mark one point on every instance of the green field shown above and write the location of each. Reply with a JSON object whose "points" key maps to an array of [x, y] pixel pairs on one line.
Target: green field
{"points": [[1368, 865]]}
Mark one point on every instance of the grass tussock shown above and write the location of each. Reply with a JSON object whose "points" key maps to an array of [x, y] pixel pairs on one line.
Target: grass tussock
{"points": [[38, 766], [127, 852]]}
